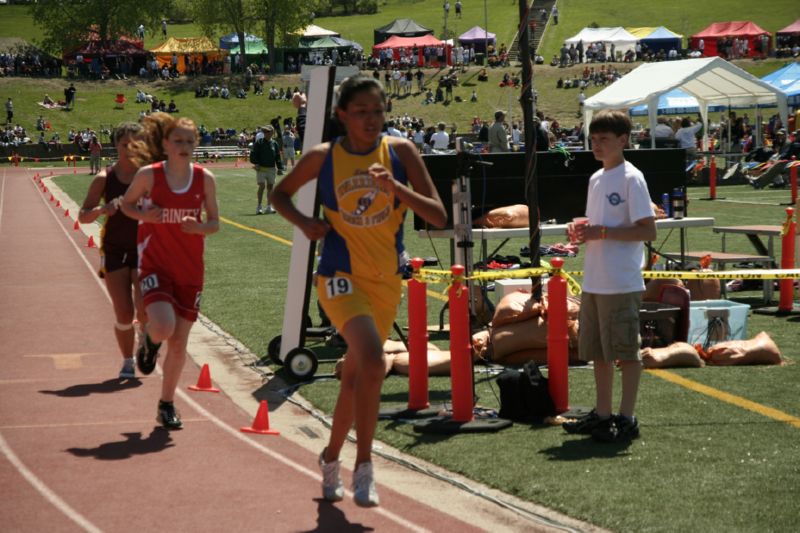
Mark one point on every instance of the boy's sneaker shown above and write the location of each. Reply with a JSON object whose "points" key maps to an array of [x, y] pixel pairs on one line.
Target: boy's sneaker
{"points": [[619, 429], [364, 492], [127, 370], [259, 211], [585, 424], [147, 355], [270, 210], [167, 415], [332, 486]]}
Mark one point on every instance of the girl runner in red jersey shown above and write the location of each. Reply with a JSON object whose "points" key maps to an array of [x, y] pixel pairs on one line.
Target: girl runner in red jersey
{"points": [[118, 242], [173, 193]]}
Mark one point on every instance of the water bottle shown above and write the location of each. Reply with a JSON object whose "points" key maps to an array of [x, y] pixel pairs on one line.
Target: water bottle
{"points": [[678, 203], [665, 204]]}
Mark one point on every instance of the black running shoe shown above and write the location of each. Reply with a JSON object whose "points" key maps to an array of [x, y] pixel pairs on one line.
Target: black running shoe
{"points": [[583, 425], [146, 355], [618, 429], [167, 415]]}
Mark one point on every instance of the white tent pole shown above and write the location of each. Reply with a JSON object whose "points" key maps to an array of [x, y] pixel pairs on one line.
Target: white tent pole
{"points": [[587, 118], [757, 144], [728, 120], [652, 117], [704, 116]]}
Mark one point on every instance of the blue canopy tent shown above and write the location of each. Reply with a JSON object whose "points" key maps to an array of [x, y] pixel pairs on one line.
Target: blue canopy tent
{"points": [[787, 79], [253, 45], [676, 102], [663, 39]]}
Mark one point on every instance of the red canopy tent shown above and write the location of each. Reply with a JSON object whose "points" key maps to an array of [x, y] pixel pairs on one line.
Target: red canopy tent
{"points": [[792, 28], [396, 43], [717, 32], [788, 36]]}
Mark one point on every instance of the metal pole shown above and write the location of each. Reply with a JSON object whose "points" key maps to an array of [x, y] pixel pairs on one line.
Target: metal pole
{"points": [[526, 101], [485, 34]]}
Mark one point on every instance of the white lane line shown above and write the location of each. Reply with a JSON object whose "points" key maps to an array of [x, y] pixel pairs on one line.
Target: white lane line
{"points": [[234, 432], [35, 482], [44, 490], [2, 199]]}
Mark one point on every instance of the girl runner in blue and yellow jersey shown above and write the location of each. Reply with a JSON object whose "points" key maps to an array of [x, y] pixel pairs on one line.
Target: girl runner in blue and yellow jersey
{"points": [[366, 182]]}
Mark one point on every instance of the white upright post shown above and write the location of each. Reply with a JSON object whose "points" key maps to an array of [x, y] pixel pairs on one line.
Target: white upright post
{"points": [[301, 265]]}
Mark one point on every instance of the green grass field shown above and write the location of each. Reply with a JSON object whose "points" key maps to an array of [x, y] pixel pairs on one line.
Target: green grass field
{"points": [[702, 463]]}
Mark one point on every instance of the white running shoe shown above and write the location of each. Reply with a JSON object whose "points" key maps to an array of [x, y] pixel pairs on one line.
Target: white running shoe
{"points": [[332, 486], [364, 492], [269, 210], [128, 369]]}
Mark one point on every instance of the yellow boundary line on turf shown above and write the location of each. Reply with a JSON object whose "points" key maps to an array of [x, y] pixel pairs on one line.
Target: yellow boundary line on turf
{"points": [[281, 240], [256, 231], [738, 401], [663, 374]]}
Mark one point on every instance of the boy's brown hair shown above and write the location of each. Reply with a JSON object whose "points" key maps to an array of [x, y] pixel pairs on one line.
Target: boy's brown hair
{"points": [[613, 121]]}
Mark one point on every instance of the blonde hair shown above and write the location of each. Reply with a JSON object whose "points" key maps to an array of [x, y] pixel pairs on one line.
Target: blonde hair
{"points": [[156, 127]]}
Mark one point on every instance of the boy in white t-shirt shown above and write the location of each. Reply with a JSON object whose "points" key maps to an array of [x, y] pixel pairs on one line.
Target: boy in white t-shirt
{"points": [[621, 219]]}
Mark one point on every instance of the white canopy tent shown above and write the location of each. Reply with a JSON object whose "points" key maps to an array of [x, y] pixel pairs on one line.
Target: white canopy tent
{"points": [[711, 80], [621, 38], [312, 30]]}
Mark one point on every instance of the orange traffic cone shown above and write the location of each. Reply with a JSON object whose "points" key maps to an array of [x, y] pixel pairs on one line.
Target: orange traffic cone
{"points": [[204, 381], [76, 225], [261, 422], [66, 212], [51, 197], [58, 203], [91, 243]]}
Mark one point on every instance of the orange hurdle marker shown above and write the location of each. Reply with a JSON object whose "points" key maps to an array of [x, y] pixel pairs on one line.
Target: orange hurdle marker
{"points": [[76, 226], [91, 243], [204, 381], [557, 339], [785, 304], [261, 422], [66, 212]]}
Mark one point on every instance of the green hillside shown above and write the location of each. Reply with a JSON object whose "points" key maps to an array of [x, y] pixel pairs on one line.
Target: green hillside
{"points": [[95, 99]]}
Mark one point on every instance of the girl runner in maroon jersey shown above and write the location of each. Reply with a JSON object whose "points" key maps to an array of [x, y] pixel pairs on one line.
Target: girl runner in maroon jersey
{"points": [[118, 259], [173, 193]]}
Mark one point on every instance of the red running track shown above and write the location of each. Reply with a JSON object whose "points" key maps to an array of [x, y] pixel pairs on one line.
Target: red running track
{"points": [[80, 449]]}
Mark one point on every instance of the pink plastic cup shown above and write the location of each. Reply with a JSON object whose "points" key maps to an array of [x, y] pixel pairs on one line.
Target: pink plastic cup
{"points": [[576, 222]]}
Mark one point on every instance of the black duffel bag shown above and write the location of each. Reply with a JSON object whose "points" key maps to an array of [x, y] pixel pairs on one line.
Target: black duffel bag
{"points": [[524, 396]]}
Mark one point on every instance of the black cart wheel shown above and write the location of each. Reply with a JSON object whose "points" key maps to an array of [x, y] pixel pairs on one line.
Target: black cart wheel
{"points": [[274, 350], [301, 363]]}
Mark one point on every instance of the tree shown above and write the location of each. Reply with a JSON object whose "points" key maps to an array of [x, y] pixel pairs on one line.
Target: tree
{"points": [[236, 15], [67, 24], [282, 18]]}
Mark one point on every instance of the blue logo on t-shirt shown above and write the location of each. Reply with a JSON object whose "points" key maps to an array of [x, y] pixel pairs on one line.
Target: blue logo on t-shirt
{"points": [[615, 199]]}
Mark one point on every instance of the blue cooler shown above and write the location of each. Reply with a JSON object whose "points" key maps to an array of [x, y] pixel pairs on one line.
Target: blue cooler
{"points": [[713, 321]]}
